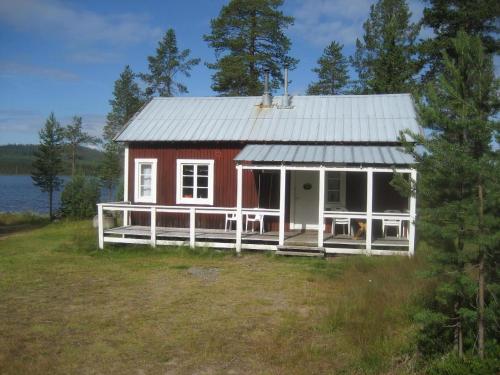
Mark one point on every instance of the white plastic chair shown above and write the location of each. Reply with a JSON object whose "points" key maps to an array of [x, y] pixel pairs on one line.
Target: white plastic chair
{"points": [[230, 217], [341, 221], [255, 218], [394, 223]]}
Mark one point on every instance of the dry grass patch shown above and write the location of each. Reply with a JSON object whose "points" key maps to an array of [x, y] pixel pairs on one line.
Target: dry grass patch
{"points": [[67, 308]]}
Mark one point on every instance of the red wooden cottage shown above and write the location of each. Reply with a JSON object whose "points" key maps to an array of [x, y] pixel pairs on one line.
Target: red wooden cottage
{"points": [[294, 174]]}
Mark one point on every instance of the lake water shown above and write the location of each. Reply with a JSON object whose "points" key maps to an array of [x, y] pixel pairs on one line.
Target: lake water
{"points": [[17, 193]]}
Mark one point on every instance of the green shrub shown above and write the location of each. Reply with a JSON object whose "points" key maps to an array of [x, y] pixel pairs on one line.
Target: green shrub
{"points": [[79, 197], [452, 365]]}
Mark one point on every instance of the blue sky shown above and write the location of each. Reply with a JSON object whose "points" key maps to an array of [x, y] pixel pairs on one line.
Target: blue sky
{"points": [[64, 56]]}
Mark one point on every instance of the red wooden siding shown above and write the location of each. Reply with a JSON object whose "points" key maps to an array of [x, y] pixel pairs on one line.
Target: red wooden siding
{"points": [[224, 179]]}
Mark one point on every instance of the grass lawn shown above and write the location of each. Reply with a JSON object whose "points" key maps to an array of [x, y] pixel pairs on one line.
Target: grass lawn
{"points": [[66, 308]]}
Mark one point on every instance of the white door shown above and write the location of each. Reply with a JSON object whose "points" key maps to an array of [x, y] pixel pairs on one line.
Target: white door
{"points": [[304, 196]]}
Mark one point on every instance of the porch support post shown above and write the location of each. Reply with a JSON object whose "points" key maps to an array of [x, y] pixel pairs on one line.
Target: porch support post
{"points": [[192, 227], [413, 212], [281, 237], [239, 207], [100, 226], [369, 209], [153, 226], [321, 206], [125, 184]]}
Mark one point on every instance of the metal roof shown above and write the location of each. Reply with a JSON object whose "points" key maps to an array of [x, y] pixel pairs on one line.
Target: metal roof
{"points": [[341, 118], [325, 154]]}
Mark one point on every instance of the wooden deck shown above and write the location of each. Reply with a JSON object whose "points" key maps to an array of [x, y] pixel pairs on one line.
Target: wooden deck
{"points": [[250, 240]]}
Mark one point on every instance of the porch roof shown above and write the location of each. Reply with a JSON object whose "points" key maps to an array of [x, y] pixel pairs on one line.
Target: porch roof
{"points": [[344, 154]]}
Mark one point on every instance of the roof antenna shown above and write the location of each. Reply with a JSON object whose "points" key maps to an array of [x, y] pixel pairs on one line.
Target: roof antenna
{"points": [[267, 99], [286, 99]]}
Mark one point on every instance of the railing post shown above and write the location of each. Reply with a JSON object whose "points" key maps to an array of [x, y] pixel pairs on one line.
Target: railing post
{"points": [[239, 207], [369, 209], [125, 184], [192, 227], [413, 214], [126, 220], [100, 226], [321, 205], [281, 237], [153, 226]]}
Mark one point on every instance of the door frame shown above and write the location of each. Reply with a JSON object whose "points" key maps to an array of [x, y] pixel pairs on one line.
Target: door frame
{"points": [[292, 196], [292, 200]]}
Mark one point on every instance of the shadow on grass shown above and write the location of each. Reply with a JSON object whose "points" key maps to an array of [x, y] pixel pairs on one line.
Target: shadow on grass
{"points": [[14, 222], [84, 240]]}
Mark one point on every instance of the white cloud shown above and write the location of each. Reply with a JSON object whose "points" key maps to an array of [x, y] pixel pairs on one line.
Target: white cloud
{"points": [[14, 69], [321, 21], [94, 56], [24, 124], [78, 28]]}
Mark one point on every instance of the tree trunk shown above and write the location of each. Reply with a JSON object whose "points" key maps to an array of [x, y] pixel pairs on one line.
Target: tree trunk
{"points": [[50, 204], [252, 49], [460, 340], [458, 335], [73, 161], [480, 320]]}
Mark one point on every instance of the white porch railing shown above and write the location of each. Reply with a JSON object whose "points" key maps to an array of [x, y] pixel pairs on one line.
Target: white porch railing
{"points": [[153, 210], [220, 239], [369, 218]]}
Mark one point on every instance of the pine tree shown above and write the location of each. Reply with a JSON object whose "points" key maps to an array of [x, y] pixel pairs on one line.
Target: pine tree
{"points": [[459, 192], [127, 100], [332, 72], [386, 59], [248, 37], [75, 138], [447, 17], [168, 63], [110, 167], [48, 165]]}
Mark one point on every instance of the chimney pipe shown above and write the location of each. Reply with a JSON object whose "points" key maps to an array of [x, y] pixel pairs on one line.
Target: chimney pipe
{"points": [[286, 98], [267, 99]]}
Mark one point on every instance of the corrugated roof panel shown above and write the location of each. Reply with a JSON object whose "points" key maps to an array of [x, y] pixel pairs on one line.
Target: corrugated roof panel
{"points": [[349, 118], [387, 155]]}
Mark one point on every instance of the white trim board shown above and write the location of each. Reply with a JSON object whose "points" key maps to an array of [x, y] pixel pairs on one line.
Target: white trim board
{"points": [[179, 199], [137, 163]]}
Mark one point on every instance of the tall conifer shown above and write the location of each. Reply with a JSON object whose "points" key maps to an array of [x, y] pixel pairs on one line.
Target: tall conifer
{"points": [[249, 37], [459, 192], [447, 17], [75, 138], [127, 100], [48, 164], [385, 59], [332, 71], [165, 67]]}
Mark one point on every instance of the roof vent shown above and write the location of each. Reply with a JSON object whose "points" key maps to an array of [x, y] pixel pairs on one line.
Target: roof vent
{"points": [[267, 98], [286, 99]]}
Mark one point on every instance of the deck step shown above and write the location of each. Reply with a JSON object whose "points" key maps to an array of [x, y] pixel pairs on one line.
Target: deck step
{"points": [[303, 251]]}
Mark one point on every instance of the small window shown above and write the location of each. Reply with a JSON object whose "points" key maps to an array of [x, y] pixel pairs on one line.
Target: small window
{"points": [[195, 181], [335, 189], [145, 180]]}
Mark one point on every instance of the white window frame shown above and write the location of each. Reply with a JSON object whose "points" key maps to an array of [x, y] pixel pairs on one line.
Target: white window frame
{"points": [[137, 197], [342, 190], [205, 201]]}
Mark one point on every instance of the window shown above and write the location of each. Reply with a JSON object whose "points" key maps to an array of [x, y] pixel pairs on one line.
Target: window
{"points": [[145, 180], [335, 189], [195, 181]]}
